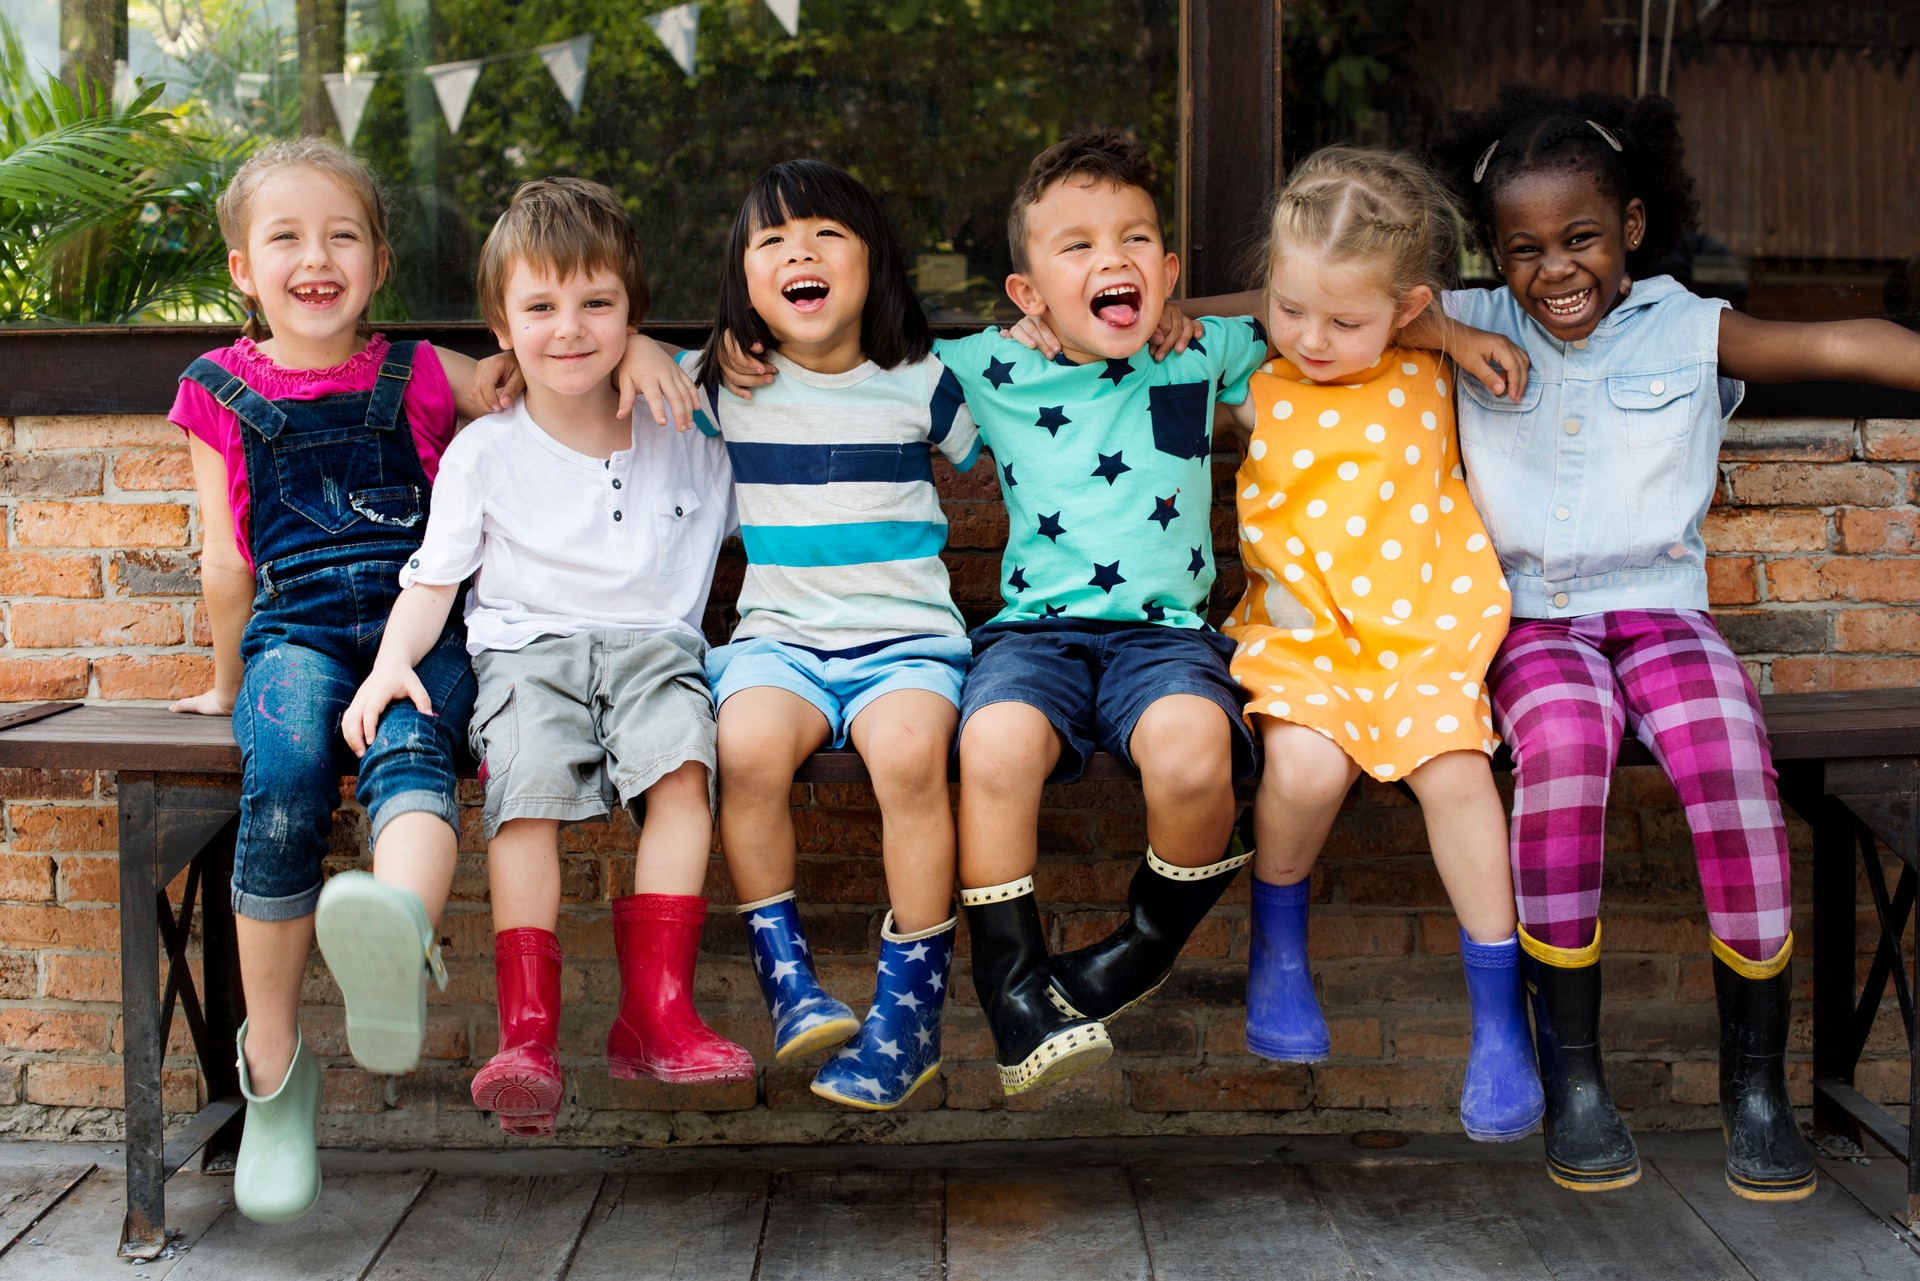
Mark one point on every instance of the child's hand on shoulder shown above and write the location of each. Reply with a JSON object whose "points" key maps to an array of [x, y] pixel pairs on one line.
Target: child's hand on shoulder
{"points": [[1497, 361], [1034, 334], [211, 703], [497, 382], [740, 371], [650, 370], [1175, 330], [386, 683]]}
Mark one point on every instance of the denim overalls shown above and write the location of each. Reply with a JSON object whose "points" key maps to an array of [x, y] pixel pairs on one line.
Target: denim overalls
{"points": [[339, 502]]}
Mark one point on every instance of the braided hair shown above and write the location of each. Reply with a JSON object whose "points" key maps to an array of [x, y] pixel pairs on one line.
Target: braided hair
{"points": [[1631, 148], [1380, 208]]}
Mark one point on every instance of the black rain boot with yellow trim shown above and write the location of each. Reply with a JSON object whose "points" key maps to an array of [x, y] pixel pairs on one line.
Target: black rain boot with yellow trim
{"points": [[1166, 902], [1034, 1043], [1588, 1146], [1767, 1159]]}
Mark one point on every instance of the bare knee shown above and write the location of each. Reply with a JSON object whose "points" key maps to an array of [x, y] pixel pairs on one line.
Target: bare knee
{"points": [[1007, 749], [753, 766], [682, 788], [907, 762], [1183, 745], [1305, 771]]}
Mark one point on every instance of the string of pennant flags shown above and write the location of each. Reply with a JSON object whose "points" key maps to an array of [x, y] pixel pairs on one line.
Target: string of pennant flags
{"points": [[677, 28]]}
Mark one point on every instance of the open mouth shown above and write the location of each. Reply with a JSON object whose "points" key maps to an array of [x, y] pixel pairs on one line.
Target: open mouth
{"points": [[317, 295], [1568, 306], [1117, 305], [807, 294]]}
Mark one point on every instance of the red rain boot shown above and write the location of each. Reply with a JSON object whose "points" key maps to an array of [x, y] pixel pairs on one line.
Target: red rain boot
{"points": [[521, 1084], [658, 1033]]}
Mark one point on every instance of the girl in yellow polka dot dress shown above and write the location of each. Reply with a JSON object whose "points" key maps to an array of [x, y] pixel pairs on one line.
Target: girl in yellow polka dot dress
{"points": [[1374, 603]]}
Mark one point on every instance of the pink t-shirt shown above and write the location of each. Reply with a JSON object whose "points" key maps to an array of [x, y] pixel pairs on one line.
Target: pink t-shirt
{"points": [[428, 401]]}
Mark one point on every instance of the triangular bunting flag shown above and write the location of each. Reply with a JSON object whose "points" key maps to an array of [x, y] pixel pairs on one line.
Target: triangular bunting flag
{"points": [[249, 86], [679, 30], [788, 11], [349, 99], [567, 63], [453, 84]]}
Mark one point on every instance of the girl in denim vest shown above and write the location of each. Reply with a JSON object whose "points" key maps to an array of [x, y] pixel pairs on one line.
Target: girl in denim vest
{"points": [[1593, 486], [314, 450]]}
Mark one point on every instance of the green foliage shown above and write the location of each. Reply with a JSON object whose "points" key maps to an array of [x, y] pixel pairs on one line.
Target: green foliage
{"points": [[105, 211]]}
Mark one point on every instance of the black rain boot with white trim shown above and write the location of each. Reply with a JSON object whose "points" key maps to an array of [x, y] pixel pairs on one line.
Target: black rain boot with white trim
{"points": [[1034, 1043]]}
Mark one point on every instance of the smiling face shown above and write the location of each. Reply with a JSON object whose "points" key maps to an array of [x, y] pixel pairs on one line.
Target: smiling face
{"points": [[1097, 271], [1332, 320], [807, 279], [568, 335], [311, 261], [1562, 245]]}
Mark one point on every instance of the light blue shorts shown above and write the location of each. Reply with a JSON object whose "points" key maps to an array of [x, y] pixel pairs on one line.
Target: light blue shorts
{"points": [[841, 683]]}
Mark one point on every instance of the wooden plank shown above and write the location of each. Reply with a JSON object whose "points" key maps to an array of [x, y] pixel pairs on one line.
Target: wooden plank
{"points": [[1880, 1186], [25, 714], [490, 1229], [1025, 1224], [337, 1242], [698, 1226], [853, 1225], [1222, 1223], [27, 1192], [1828, 1234], [1646, 1232], [1426, 1223], [76, 1239]]}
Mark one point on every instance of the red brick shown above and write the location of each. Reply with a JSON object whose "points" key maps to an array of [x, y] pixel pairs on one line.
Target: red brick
{"points": [[1814, 485], [1732, 580], [63, 827], [1843, 579], [1886, 631], [40, 625], [1380, 1088], [350, 1091], [17, 976], [97, 1085], [26, 878], [89, 880], [1789, 440], [53, 1031], [42, 574], [49, 475], [47, 784], [597, 1090], [94, 929], [1872, 530], [95, 431], [156, 573], [77, 976], [1283, 1088], [1890, 439], [1798, 675], [1360, 935], [100, 525], [202, 630], [153, 675], [26, 680], [151, 469], [1734, 530]]}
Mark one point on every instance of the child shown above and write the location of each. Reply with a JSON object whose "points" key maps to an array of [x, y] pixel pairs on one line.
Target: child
{"points": [[592, 543], [847, 630], [314, 450], [1593, 487], [1373, 602]]}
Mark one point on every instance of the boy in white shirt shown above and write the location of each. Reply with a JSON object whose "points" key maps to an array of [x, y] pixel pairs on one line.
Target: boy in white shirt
{"points": [[591, 538]]}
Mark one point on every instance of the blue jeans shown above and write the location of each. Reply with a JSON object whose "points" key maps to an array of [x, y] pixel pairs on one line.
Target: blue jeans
{"points": [[310, 643]]}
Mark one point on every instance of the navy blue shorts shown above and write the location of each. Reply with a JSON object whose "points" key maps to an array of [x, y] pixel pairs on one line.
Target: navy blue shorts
{"points": [[1094, 680]]}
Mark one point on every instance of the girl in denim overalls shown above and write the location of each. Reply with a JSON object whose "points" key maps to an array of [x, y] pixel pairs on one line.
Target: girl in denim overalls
{"points": [[313, 453], [1593, 488]]}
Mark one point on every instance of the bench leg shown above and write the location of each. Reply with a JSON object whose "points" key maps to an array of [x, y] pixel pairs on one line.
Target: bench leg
{"points": [[220, 994], [1835, 856], [143, 1234]]}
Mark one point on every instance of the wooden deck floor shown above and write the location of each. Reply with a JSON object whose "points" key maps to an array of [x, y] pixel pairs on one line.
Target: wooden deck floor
{"points": [[1146, 1209]]}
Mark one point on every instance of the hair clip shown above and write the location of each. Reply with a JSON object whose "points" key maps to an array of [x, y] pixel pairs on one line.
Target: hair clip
{"points": [[1602, 131], [1486, 157]]}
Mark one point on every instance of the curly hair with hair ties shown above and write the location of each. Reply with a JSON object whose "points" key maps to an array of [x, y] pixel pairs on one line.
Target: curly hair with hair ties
{"points": [[1631, 147], [234, 207], [1383, 210]]}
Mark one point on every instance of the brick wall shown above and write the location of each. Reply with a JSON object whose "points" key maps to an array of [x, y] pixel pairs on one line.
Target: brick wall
{"points": [[1816, 579]]}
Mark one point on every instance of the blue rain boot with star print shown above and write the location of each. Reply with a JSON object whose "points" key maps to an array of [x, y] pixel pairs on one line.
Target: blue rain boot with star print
{"points": [[898, 1049], [806, 1020]]}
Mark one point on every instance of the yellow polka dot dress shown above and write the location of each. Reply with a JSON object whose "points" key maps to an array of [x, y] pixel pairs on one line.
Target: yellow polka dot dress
{"points": [[1374, 601]]}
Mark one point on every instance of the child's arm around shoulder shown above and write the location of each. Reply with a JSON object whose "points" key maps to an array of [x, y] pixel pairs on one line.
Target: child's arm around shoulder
{"points": [[1773, 351], [225, 580]]}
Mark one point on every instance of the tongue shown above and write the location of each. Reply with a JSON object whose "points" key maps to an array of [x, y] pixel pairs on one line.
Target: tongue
{"points": [[1119, 314]]}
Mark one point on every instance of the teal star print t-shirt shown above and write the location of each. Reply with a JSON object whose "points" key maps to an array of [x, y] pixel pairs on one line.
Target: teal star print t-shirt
{"points": [[1105, 469]]}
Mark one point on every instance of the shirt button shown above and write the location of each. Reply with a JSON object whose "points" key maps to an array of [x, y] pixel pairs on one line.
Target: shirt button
{"points": [[616, 515], [1561, 513], [1559, 600], [1573, 426], [1580, 344], [678, 512], [414, 563], [616, 482], [1656, 387]]}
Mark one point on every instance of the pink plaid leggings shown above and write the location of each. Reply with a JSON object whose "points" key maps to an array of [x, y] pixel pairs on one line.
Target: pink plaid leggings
{"points": [[1563, 690]]}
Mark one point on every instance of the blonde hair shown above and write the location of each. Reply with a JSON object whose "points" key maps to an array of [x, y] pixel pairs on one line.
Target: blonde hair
{"points": [[1377, 209], [564, 225], [235, 205]]}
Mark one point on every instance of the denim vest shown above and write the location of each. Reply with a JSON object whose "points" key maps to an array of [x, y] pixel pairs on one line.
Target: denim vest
{"points": [[1594, 486], [333, 481]]}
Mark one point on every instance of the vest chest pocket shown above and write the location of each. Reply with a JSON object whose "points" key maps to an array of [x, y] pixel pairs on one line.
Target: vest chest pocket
{"points": [[1493, 426], [1179, 412], [1657, 408], [674, 529]]}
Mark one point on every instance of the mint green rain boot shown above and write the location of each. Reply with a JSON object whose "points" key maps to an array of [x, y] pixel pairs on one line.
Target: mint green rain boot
{"points": [[276, 1178], [380, 946]]}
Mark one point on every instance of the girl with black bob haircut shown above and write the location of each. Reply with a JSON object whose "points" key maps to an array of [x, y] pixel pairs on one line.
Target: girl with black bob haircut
{"points": [[893, 328], [1593, 486]]}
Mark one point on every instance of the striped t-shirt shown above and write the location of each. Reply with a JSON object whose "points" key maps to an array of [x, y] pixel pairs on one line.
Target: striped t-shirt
{"points": [[833, 477]]}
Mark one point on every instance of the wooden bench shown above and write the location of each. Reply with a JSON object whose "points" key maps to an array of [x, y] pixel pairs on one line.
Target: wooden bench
{"points": [[1849, 765]]}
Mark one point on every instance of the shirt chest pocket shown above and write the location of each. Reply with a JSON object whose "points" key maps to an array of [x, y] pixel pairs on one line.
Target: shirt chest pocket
{"points": [[676, 532], [1180, 426], [1657, 409], [861, 477], [1494, 426]]}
